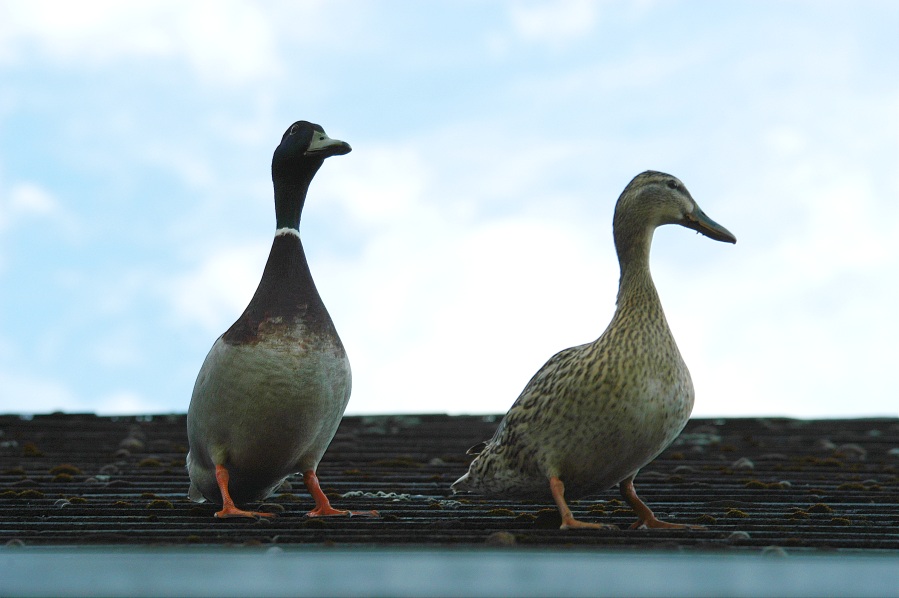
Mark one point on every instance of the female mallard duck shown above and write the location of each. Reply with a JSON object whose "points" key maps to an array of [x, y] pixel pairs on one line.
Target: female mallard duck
{"points": [[594, 414], [271, 393]]}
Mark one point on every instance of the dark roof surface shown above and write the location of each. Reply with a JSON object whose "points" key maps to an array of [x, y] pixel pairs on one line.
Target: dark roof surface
{"points": [[757, 485]]}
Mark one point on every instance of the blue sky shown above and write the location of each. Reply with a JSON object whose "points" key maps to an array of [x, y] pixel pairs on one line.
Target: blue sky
{"points": [[467, 237]]}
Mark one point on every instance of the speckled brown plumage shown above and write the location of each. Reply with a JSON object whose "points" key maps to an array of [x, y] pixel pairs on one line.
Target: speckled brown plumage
{"points": [[594, 414]]}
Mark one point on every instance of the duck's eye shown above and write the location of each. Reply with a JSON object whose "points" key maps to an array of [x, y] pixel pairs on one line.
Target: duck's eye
{"points": [[672, 184], [293, 129]]}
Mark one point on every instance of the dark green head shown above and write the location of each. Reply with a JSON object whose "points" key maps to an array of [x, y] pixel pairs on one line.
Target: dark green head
{"points": [[303, 148]]}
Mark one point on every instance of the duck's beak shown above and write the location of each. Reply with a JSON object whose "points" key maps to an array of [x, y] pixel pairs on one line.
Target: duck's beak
{"points": [[323, 146], [698, 221]]}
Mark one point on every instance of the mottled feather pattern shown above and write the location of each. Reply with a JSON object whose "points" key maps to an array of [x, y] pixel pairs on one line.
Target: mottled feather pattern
{"points": [[585, 391], [594, 414]]}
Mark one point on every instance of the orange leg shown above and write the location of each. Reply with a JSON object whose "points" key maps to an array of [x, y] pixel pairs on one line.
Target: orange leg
{"points": [[323, 506], [228, 508], [645, 516], [568, 521]]}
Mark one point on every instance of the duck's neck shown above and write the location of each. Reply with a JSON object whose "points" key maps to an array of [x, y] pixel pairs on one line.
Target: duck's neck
{"points": [[637, 293], [290, 196], [287, 288], [287, 274], [286, 292]]}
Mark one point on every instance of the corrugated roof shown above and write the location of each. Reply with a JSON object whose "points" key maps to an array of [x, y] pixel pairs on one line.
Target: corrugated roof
{"points": [[757, 485]]}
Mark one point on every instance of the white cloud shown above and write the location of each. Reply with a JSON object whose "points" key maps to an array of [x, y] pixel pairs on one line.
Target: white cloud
{"points": [[26, 204], [215, 291], [189, 164], [117, 348], [454, 308], [224, 42], [23, 393], [26, 200], [126, 402], [383, 183], [555, 22], [459, 292], [786, 141], [794, 319], [462, 323], [460, 254]]}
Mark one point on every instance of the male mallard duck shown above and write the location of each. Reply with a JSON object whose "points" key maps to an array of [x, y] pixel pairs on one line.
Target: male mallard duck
{"points": [[271, 393], [594, 414]]}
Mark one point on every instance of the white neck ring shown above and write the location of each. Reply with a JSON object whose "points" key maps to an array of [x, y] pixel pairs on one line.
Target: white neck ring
{"points": [[287, 231]]}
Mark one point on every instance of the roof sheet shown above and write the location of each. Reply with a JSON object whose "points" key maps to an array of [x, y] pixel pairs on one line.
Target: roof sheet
{"points": [[757, 485]]}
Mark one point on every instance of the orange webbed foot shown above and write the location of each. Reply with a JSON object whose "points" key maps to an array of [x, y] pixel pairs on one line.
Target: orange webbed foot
{"points": [[228, 507], [232, 511], [654, 523], [323, 506], [557, 488], [645, 517], [572, 523]]}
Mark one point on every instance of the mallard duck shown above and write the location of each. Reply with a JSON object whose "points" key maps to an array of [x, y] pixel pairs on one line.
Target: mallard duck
{"points": [[273, 388], [595, 414]]}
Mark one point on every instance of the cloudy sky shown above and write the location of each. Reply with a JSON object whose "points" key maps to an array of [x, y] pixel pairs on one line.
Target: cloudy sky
{"points": [[467, 237]]}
